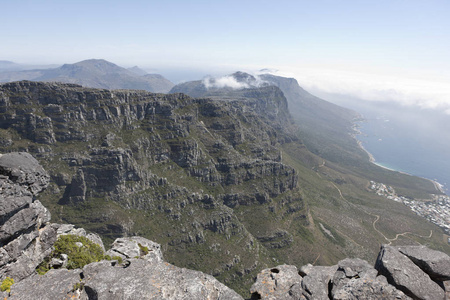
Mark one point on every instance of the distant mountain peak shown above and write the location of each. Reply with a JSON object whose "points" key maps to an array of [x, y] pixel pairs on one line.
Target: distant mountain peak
{"points": [[138, 71], [243, 77]]}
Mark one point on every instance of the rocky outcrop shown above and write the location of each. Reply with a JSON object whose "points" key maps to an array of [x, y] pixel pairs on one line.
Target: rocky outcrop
{"points": [[435, 263], [131, 247], [406, 272], [141, 279], [145, 276], [408, 277], [25, 237], [281, 282]]}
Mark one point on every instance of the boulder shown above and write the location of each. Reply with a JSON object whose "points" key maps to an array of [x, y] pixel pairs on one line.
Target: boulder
{"points": [[356, 279], [401, 272], [367, 289], [315, 283], [281, 282], [24, 170], [55, 284], [435, 263], [25, 253], [133, 247]]}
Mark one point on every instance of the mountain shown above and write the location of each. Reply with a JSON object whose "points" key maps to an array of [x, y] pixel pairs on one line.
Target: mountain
{"points": [[226, 184], [327, 130], [138, 71], [9, 66], [97, 73], [6, 65]]}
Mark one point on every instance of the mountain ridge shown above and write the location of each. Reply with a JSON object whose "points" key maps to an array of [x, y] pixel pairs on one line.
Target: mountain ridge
{"points": [[96, 73]]}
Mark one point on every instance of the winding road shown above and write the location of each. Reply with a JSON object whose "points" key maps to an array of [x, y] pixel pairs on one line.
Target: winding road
{"points": [[377, 217]]}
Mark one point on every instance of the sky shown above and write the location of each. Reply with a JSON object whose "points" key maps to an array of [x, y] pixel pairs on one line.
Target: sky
{"points": [[388, 50]]}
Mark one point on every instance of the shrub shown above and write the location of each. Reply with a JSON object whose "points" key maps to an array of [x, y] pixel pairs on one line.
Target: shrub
{"points": [[6, 284], [144, 250], [78, 256]]}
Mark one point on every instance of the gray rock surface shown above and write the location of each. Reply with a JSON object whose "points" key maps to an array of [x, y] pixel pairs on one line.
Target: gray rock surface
{"points": [[25, 239], [401, 272], [132, 247], [356, 279], [143, 279], [22, 169], [435, 263], [281, 282], [315, 284], [55, 284]]}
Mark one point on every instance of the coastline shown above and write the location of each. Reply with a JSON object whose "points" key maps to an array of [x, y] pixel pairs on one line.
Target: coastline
{"points": [[439, 187]]}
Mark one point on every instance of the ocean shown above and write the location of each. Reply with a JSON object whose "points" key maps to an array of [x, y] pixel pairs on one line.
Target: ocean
{"points": [[407, 139]]}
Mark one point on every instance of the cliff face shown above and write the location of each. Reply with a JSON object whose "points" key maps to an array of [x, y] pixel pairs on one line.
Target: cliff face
{"points": [[27, 238], [192, 171]]}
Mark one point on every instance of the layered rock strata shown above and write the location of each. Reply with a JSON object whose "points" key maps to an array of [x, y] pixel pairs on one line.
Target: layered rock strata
{"points": [[27, 238]]}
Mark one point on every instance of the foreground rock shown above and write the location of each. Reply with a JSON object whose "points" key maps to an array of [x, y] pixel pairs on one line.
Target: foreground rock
{"points": [[147, 277], [356, 279], [25, 238], [131, 247], [143, 279], [281, 282], [408, 277], [407, 272], [434, 263]]}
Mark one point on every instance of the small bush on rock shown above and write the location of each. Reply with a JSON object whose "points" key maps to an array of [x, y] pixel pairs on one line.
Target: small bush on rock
{"points": [[6, 284], [144, 250], [80, 251]]}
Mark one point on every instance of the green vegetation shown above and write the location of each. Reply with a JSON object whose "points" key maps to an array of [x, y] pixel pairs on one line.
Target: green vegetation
{"points": [[144, 250], [79, 286], [80, 251], [6, 284]]}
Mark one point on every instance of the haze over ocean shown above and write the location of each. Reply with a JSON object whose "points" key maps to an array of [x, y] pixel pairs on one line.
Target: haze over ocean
{"points": [[410, 141]]}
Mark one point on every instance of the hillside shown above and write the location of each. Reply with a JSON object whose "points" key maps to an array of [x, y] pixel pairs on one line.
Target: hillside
{"points": [[96, 73], [226, 185]]}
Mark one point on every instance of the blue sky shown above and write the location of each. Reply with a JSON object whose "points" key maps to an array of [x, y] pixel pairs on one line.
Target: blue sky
{"points": [[339, 46]]}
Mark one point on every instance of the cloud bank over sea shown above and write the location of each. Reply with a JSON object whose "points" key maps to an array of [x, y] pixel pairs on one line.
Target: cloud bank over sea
{"points": [[408, 91]]}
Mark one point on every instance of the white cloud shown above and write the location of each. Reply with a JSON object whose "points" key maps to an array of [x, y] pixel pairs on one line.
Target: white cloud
{"points": [[223, 82], [230, 81], [432, 94]]}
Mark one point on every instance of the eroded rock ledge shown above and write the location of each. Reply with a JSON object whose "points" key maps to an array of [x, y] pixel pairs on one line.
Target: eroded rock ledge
{"points": [[140, 272]]}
